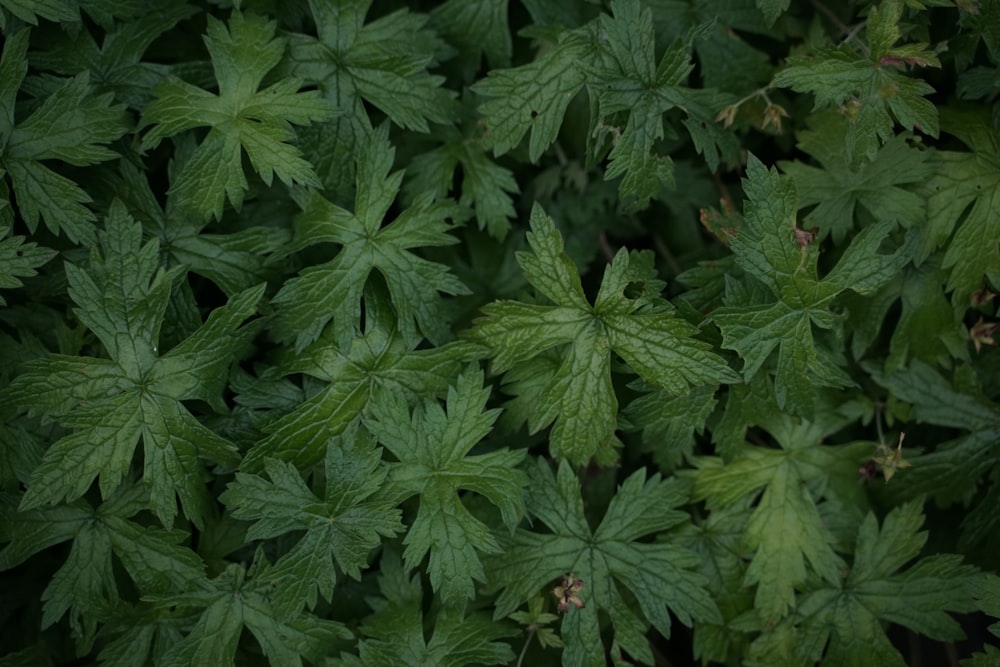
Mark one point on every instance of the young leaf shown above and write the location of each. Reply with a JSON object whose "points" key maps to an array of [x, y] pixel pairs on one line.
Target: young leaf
{"points": [[611, 562], [241, 118], [848, 615], [108, 404], [344, 525], [432, 449], [334, 289], [772, 249], [70, 125], [579, 397]]}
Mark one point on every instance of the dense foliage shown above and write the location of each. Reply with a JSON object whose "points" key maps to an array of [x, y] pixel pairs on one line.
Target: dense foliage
{"points": [[477, 332]]}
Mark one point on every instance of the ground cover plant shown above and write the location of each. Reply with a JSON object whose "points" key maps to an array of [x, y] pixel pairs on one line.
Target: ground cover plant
{"points": [[477, 332]]}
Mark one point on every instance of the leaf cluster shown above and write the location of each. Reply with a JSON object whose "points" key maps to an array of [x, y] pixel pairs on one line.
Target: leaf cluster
{"points": [[363, 332]]}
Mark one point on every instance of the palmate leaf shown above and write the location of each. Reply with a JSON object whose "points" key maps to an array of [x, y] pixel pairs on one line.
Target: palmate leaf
{"points": [[625, 318], [532, 97], [377, 361], [116, 66], [343, 525], [611, 560], [726, 60], [234, 261], [633, 92], [785, 530], [19, 260], [962, 198], [109, 404], [241, 598], [782, 258], [383, 63], [85, 585], [956, 469], [615, 58], [868, 86], [838, 191], [333, 290], [394, 634], [847, 616], [486, 186], [70, 125], [242, 118], [432, 446]]}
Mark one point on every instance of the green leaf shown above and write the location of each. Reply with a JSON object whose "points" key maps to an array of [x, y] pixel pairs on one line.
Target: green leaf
{"points": [[838, 190], [394, 635], [867, 86], [334, 289], [954, 469], [108, 404], [579, 396], [378, 361], [632, 581], [432, 447], [848, 616], [532, 97], [234, 262], [633, 92], [50, 10], [772, 9], [116, 66], [85, 583], [70, 125], [783, 258], [486, 186], [240, 598], [242, 118], [384, 63], [344, 524], [19, 260], [669, 423], [963, 193], [477, 28], [785, 530]]}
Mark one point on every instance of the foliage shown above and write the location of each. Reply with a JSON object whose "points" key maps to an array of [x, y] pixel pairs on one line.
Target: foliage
{"points": [[639, 328]]}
